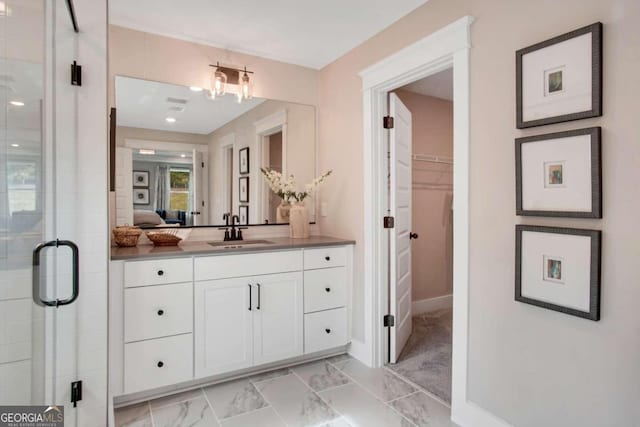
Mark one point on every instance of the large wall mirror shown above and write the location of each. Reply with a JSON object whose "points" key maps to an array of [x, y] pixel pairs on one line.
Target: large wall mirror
{"points": [[184, 159]]}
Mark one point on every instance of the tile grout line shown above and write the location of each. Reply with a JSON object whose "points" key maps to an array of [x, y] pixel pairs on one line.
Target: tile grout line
{"points": [[267, 400], [419, 388], [376, 397], [206, 398], [320, 397]]}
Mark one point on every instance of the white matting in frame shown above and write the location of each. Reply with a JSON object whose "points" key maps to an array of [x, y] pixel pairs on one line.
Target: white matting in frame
{"points": [[560, 79], [559, 174], [559, 269]]}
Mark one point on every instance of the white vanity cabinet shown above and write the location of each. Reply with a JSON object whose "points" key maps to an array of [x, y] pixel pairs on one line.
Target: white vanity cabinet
{"points": [[247, 321], [178, 321]]}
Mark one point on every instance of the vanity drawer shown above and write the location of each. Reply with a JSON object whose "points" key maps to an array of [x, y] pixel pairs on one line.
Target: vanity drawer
{"points": [[325, 329], [325, 289], [159, 362], [325, 257], [227, 266], [158, 272], [158, 311]]}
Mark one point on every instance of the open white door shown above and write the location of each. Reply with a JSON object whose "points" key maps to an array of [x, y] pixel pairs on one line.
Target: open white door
{"points": [[197, 201], [400, 243]]}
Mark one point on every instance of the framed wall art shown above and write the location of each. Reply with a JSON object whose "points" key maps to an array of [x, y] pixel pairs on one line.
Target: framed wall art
{"points": [[141, 179], [559, 269], [243, 158], [560, 174], [560, 79], [244, 215], [244, 189], [140, 196]]}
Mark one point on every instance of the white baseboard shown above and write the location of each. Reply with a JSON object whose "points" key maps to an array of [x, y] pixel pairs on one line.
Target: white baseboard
{"points": [[468, 414], [428, 305], [359, 350]]}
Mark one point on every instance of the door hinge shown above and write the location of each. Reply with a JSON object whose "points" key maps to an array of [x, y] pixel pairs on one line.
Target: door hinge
{"points": [[389, 320], [203, 164], [76, 74], [387, 122], [389, 222], [76, 392]]}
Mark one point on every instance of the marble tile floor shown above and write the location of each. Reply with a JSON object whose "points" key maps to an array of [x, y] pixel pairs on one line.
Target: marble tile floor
{"points": [[334, 392], [426, 358]]}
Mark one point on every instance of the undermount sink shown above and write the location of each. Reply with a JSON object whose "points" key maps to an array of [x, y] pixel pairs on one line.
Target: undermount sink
{"points": [[240, 243]]}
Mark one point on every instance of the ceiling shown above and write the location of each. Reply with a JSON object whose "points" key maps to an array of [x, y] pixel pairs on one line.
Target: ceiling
{"points": [[146, 104], [439, 85], [307, 33]]}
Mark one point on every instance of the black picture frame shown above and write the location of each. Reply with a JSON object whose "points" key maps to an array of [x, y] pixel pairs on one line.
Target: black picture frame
{"points": [[596, 173], [243, 180], [594, 273], [145, 181], [596, 77], [244, 152], [141, 196], [244, 210]]}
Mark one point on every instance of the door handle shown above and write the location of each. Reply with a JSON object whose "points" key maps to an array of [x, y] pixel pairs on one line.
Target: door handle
{"points": [[258, 306], [413, 235], [35, 265], [249, 297]]}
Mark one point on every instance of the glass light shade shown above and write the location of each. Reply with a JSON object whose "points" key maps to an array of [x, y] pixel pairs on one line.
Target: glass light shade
{"points": [[244, 88], [219, 82]]}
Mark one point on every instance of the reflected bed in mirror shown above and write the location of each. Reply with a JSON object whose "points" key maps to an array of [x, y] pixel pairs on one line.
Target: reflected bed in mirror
{"points": [[183, 159]]}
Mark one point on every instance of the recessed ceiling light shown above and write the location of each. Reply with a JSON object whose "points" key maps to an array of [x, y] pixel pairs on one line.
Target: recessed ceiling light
{"points": [[170, 119], [15, 145], [145, 151], [195, 88], [17, 103]]}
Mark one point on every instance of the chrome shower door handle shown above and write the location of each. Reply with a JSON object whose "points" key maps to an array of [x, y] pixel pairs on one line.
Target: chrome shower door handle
{"points": [[35, 265]]}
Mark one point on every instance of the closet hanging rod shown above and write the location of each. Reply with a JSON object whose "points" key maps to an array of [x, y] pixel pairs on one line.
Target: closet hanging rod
{"points": [[72, 14], [432, 159]]}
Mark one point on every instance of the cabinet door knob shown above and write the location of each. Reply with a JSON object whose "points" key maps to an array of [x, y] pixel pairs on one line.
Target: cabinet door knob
{"points": [[160, 273], [160, 312], [160, 364], [328, 330], [327, 289], [327, 258]]}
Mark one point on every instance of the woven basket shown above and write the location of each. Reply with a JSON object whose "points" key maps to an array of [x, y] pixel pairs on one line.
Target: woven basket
{"points": [[126, 236], [163, 238]]}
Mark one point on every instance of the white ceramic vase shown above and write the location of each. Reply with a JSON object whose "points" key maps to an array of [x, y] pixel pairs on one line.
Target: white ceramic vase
{"points": [[282, 212], [299, 221]]}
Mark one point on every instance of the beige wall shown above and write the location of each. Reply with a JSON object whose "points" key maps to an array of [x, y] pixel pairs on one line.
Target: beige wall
{"points": [[124, 132], [530, 366], [163, 59], [432, 219]]}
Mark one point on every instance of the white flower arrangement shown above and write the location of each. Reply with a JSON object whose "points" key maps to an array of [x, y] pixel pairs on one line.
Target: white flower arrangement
{"points": [[285, 187]]}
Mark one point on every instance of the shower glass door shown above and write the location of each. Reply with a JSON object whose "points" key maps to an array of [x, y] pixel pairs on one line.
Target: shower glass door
{"points": [[38, 331]]}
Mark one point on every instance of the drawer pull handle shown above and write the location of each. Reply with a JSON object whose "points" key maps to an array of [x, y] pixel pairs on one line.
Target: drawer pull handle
{"points": [[160, 364], [328, 258], [160, 312], [160, 273], [327, 289], [328, 330]]}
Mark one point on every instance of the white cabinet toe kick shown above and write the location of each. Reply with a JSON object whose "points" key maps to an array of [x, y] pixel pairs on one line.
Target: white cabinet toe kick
{"points": [[176, 323]]}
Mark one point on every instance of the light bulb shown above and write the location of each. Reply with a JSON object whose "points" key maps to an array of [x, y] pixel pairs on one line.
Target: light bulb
{"points": [[195, 88], [170, 119], [219, 82], [245, 86]]}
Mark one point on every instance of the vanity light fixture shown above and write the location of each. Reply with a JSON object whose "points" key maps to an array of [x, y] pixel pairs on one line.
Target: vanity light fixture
{"points": [[17, 103], [170, 119], [234, 76], [147, 151]]}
